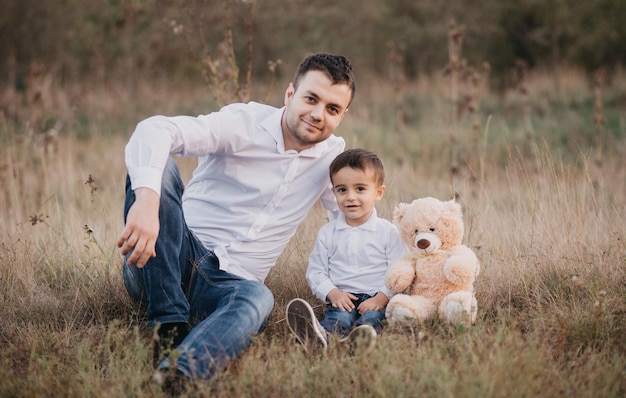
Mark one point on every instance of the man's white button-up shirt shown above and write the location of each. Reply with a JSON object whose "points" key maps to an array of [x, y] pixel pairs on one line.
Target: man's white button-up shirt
{"points": [[248, 195]]}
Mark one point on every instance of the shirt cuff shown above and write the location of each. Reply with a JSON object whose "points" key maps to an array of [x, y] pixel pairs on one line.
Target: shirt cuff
{"points": [[146, 177], [324, 289], [387, 292]]}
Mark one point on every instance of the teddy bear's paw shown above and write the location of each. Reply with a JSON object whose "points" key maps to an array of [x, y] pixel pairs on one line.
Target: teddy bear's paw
{"points": [[399, 281], [401, 315], [459, 272], [455, 312]]}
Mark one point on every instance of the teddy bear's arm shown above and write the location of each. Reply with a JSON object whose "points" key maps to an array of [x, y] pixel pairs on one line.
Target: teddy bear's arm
{"points": [[401, 274], [462, 266]]}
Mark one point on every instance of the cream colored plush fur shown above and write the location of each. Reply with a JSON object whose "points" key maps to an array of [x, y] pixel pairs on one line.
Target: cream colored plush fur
{"points": [[437, 274]]}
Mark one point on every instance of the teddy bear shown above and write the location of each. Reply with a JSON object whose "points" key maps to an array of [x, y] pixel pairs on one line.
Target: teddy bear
{"points": [[437, 273]]}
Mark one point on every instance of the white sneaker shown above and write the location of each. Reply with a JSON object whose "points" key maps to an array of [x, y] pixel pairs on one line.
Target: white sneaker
{"points": [[361, 338], [305, 326]]}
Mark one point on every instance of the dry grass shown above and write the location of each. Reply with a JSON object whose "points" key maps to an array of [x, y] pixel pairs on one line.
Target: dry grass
{"points": [[546, 221]]}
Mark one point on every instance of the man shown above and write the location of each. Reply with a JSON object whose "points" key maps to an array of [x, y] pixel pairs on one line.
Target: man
{"points": [[200, 257]]}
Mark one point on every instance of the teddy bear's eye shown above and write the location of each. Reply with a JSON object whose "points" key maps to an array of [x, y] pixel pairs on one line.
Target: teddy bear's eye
{"points": [[432, 229], [417, 231]]}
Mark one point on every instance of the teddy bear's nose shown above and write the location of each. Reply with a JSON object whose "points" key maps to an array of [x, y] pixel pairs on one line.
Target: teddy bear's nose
{"points": [[423, 243]]}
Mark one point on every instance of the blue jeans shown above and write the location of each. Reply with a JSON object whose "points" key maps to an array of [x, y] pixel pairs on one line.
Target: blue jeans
{"points": [[183, 283], [341, 322]]}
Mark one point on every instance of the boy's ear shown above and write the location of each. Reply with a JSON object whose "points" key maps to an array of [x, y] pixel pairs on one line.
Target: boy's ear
{"points": [[380, 192]]}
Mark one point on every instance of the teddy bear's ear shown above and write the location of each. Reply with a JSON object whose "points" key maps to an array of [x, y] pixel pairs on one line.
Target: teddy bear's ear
{"points": [[454, 208], [399, 211]]}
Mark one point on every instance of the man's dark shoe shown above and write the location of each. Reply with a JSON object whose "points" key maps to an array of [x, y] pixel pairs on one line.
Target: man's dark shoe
{"points": [[168, 337]]}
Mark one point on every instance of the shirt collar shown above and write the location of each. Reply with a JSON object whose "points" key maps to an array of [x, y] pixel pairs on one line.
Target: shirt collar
{"points": [[369, 225], [271, 124]]}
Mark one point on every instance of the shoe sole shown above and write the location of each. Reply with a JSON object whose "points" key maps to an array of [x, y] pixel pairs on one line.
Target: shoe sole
{"points": [[303, 324], [361, 338]]}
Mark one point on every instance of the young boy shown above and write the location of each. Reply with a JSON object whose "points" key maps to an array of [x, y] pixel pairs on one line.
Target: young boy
{"points": [[351, 255]]}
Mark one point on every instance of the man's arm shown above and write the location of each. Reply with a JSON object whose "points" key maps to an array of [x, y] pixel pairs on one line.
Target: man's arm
{"points": [[142, 228], [147, 152]]}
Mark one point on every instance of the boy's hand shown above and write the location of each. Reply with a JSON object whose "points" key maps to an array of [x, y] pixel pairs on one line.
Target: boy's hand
{"points": [[341, 300], [376, 303], [142, 228]]}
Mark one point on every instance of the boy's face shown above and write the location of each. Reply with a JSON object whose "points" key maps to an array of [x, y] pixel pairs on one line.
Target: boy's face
{"points": [[313, 110], [357, 191]]}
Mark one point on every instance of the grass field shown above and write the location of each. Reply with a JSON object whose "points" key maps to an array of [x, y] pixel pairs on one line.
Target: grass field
{"points": [[543, 192]]}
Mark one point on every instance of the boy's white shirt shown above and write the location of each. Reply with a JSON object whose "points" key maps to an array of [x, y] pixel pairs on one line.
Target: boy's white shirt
{"points": [[353, 259], [248, 195]]}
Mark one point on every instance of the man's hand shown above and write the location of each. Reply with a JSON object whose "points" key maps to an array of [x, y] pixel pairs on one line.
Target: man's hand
{"points": [[142, 228], [376, 303], [341, 300]]}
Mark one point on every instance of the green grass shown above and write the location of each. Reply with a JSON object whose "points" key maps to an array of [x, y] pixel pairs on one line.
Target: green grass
{"points": [[545, 217]]}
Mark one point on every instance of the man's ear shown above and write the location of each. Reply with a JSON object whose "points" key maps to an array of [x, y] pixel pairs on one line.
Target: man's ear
{"points": [[344, 114], [289, 93]]}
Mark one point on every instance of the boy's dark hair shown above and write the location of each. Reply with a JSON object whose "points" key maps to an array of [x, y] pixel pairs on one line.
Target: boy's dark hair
{"points": [[361, 159], [337, 67]]}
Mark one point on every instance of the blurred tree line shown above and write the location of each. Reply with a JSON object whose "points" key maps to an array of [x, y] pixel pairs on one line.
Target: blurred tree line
{"points": [[129, 39]]}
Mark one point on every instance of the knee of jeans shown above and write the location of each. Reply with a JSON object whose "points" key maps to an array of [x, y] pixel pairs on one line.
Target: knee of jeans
{"points": [[265, 299], [172, 188], [372, 318], [338, 321], [133, 282], [171, 175], [261, 298]]}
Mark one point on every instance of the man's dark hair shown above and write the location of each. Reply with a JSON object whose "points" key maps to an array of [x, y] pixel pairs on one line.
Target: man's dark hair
{"points": [[337, 67], [361, 159]]}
